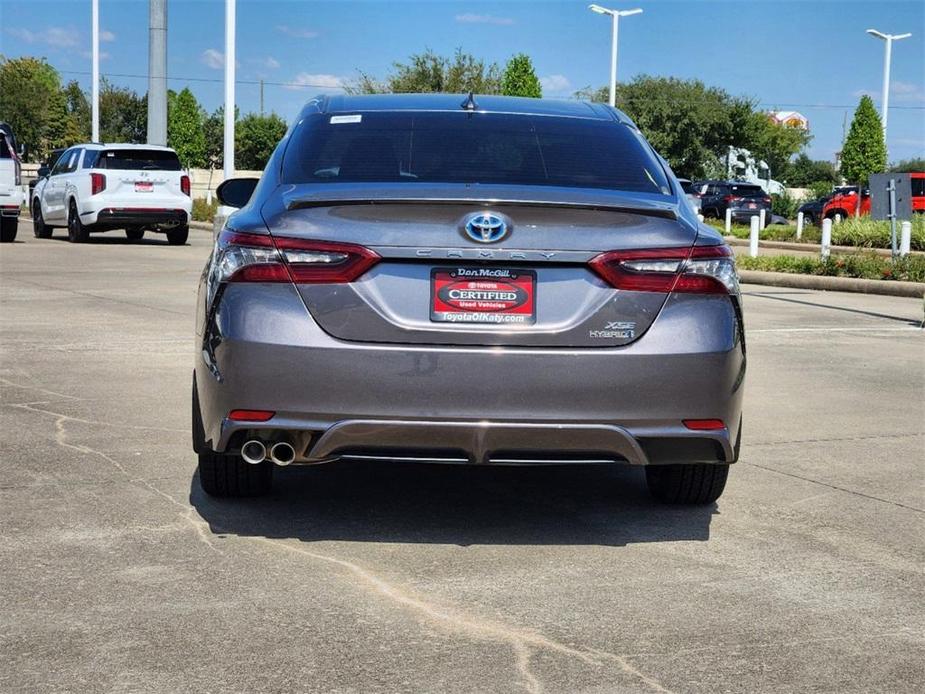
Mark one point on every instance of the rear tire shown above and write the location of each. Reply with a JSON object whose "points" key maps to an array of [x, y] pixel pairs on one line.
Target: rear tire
{"points": [[178, 236], [229, 476], [8, 226], [694, 484], [135, 233], [76, 231], [39, 228]]}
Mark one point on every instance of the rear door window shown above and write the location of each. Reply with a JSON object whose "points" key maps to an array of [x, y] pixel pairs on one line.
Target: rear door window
{"points": [[918, 187], [747, 191], [138, 160]]}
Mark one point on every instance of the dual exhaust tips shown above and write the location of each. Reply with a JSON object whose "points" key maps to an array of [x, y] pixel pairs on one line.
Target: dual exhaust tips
{"points": [[255, 452]]}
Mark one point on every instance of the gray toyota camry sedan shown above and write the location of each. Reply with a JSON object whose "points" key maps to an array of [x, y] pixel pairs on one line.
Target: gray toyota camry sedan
{"points": [[475, 280]]}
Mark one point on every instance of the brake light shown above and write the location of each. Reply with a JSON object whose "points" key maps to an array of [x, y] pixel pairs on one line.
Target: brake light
{"points": [[697, 270], [729, 198], [185, 185], [246, 257], [97, 183], [767, 201]]}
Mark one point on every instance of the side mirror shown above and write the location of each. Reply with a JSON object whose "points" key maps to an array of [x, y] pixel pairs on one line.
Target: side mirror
{"points": [[43, 171], [236, 192]]}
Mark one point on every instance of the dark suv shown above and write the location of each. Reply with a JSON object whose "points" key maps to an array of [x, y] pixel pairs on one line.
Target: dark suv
{"points": [[744, 199]]}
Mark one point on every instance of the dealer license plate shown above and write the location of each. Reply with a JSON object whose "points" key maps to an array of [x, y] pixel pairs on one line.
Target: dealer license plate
{"points": [[144, 187], [483, 295]]}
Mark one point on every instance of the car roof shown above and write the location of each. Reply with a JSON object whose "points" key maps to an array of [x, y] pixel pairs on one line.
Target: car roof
{"points": [[566, 108], [122, 145]]}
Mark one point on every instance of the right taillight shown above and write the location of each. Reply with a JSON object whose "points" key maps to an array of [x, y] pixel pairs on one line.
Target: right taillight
{"points": [[697, 270], [246, 257], [97, 183]]}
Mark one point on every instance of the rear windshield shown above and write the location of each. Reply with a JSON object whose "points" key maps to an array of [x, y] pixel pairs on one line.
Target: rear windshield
{"points": [[471, 148], [132, 159], [747, 191]]}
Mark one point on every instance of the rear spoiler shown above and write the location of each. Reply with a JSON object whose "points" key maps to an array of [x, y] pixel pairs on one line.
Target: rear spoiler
{"points": [[644, 210]]}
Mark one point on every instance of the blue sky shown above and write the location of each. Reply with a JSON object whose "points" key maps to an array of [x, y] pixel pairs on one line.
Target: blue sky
{"points": [[811, 56]]}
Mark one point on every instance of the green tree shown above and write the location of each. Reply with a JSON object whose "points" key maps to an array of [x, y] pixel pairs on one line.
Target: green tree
{"points": [[692, 125], [803, 172], [428, 72], [78, 107], [256, 136], [864, 152], [519, 78], [185, 128], [213, 127], [61, 128], [907, 165], [27, 88], [123, 115]]}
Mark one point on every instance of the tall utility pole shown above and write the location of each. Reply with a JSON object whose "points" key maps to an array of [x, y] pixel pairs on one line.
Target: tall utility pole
{"points": [[95, 71], [157, 72], [885, 104], [229, 88], [615, 15]]}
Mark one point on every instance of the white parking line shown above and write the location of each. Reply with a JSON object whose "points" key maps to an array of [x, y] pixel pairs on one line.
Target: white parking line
{"points": [[871, 329]]}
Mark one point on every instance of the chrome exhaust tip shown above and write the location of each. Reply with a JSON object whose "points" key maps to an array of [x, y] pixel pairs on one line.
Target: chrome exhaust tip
{"points": [[254, 452], [282, 453]]}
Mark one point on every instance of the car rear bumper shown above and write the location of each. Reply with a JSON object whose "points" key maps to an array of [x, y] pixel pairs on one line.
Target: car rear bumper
{"points": [[336, 399], [119, 217]]}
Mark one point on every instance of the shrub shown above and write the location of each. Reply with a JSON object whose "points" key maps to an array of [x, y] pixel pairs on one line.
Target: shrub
{"points": [[860, 265], [862, 232], [203, 211], [785, 204]]}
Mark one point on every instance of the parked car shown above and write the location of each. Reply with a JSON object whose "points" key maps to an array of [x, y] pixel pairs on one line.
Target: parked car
{"points": [[11, 195], [688, 187], [45, 169], [418, 279], [843, 204], [812, 209], [98, 187], [744, 199]]}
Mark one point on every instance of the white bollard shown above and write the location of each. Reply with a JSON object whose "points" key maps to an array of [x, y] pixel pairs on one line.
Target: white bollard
{"points": [[905, 240], [700, 217], [826, 238], [799, 225], [753, 238], [838, 218], [728, 222], [762, 217]]}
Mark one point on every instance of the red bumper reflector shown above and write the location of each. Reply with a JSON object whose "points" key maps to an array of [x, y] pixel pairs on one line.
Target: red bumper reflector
{"points": [[251, 415], [704, 424]]}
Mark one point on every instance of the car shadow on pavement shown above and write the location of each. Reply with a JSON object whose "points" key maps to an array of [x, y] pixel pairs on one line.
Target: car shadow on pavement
{"points": [[464, 505], [100, 240]]}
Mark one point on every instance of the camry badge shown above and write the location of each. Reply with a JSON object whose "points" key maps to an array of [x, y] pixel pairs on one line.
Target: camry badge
{"points": [[486, 227]]}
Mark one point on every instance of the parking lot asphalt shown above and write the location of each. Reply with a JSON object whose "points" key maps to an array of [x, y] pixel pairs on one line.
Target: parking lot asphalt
{"points": [[118, 574]]}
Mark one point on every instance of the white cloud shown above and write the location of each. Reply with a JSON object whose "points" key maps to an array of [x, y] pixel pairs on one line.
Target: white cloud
{"points": [[270, 63], [472, 18], [305, 80], [56, 37], [295, 32], [104, 55], [213, 59], [906, 92], [556, 85], [107, 36]]}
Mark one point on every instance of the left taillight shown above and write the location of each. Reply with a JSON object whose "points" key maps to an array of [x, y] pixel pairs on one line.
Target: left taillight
{"points": [[246, 257], [97, 183], [185, 185], [697, 270]]}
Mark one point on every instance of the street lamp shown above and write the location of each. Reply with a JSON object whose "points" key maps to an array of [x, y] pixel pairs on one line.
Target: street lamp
{"points": [[889, 38], [616, 14]]}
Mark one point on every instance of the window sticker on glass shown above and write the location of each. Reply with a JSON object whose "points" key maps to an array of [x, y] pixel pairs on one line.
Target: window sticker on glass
{"points": [[346, 119]]}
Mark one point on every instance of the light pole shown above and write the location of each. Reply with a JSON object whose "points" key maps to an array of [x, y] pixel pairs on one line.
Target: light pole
{"points": [[615, 14], [228, 150], [95, 71], [889, 38]]}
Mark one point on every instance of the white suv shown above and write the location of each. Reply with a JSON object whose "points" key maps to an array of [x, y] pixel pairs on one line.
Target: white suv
{"points": [[98, 187], [11, 197]]}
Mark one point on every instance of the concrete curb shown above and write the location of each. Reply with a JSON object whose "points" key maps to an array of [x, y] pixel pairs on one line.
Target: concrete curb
{"points": [[914, 290], [812, 247], [202, 226]]}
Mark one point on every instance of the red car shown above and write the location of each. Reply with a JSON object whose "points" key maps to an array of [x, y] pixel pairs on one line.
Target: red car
{"points": [[844, 203]]}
